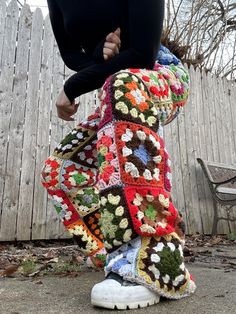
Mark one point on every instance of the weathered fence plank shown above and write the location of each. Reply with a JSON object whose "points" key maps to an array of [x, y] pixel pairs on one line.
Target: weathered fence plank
{"points": [[182, 165], [178, 192], [231, 93], [194, 215], [14, 152], [226, 132], [31, 78], [201, 150], [24, 218], [196, 133], [3, 9], [208, 153], [56, 135], [227, 122], [6, 85], [42, 142], [218, 102]]}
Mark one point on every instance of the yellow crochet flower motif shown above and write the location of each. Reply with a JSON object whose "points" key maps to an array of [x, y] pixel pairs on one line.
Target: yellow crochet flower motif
{"points": [[119, 211], [147, 228], [118, 83], [122, 75], [151, 120], [122, 107], [134, 112], [118, 94], [103, 150], [124, 223], [127, 235], [164, 201], [114, 200]]}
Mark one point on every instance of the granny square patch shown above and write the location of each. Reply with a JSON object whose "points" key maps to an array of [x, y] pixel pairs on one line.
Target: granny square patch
{"points": [[109, 174], [141, 155], [131, 100], [50, 173], [167, 172], [87, 155], [74, 176], [73, 142], [106, 104], [85, 200], [168, 87], [156, 84], [87, 242], [177, 79], [115, 221], [92, 222], [161, 263], [151, 210], [159, 91], [91, 122], [66, 211], [123, 260]]}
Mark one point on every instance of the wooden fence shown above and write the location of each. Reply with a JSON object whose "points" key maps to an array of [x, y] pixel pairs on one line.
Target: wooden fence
{"points": [[31, 75]]}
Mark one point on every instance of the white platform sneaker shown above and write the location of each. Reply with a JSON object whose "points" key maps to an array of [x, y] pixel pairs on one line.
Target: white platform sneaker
{"points": [[116, 293]]}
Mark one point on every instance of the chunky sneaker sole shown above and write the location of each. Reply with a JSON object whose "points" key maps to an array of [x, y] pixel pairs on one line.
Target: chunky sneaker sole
{"points": [[122, 295]]}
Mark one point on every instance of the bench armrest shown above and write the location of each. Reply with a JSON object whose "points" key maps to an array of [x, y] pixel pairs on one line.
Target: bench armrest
{"points": [[232, 180], [205, 169]]}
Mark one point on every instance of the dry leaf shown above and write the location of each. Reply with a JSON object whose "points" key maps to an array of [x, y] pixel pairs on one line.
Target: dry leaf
{"points": [[53, 260], [80, 259], [49, 255], [76, 259], [73, 274], [2, 247], [9, 270]]}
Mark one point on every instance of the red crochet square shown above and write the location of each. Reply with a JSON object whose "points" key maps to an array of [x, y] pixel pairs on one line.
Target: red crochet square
{"points": [[64, 207], [109, 172], [151, 211], [74, 176], [141, 155]]}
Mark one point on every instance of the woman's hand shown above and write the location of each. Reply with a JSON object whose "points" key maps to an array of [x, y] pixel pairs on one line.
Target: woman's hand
{"points": [[65, 109], [112, 45]]}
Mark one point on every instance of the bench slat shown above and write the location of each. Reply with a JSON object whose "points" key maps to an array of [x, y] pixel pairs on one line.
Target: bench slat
{"points": [[225, 190]]}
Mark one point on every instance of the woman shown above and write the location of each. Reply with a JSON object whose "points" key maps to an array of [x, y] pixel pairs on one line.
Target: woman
{"points": [[109, 179]]}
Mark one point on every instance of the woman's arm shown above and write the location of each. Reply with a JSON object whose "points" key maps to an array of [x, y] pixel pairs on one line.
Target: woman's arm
{"points": [[145, 28], [71, 52]]}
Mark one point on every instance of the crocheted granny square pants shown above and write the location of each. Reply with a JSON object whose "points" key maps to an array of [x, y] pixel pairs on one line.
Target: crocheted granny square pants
{"points": [[110, 180]]}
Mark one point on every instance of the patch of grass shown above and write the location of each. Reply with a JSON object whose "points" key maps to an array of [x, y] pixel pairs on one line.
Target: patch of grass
{"points": [[231, 236], [28, 267], [66, 268]]}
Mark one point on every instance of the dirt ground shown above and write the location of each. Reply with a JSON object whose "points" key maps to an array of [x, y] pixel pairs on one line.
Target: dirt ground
{"points": [[52, 277]]}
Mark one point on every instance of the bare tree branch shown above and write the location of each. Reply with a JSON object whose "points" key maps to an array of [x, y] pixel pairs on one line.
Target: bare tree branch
{"points": [[203, 33]]}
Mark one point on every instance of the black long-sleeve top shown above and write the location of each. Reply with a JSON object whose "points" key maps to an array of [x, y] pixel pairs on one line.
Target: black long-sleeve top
{"points": [[81, 26]]}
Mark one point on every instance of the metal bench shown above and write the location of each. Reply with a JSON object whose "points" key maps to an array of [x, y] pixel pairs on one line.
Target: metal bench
{"points": [[222, 182]]}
